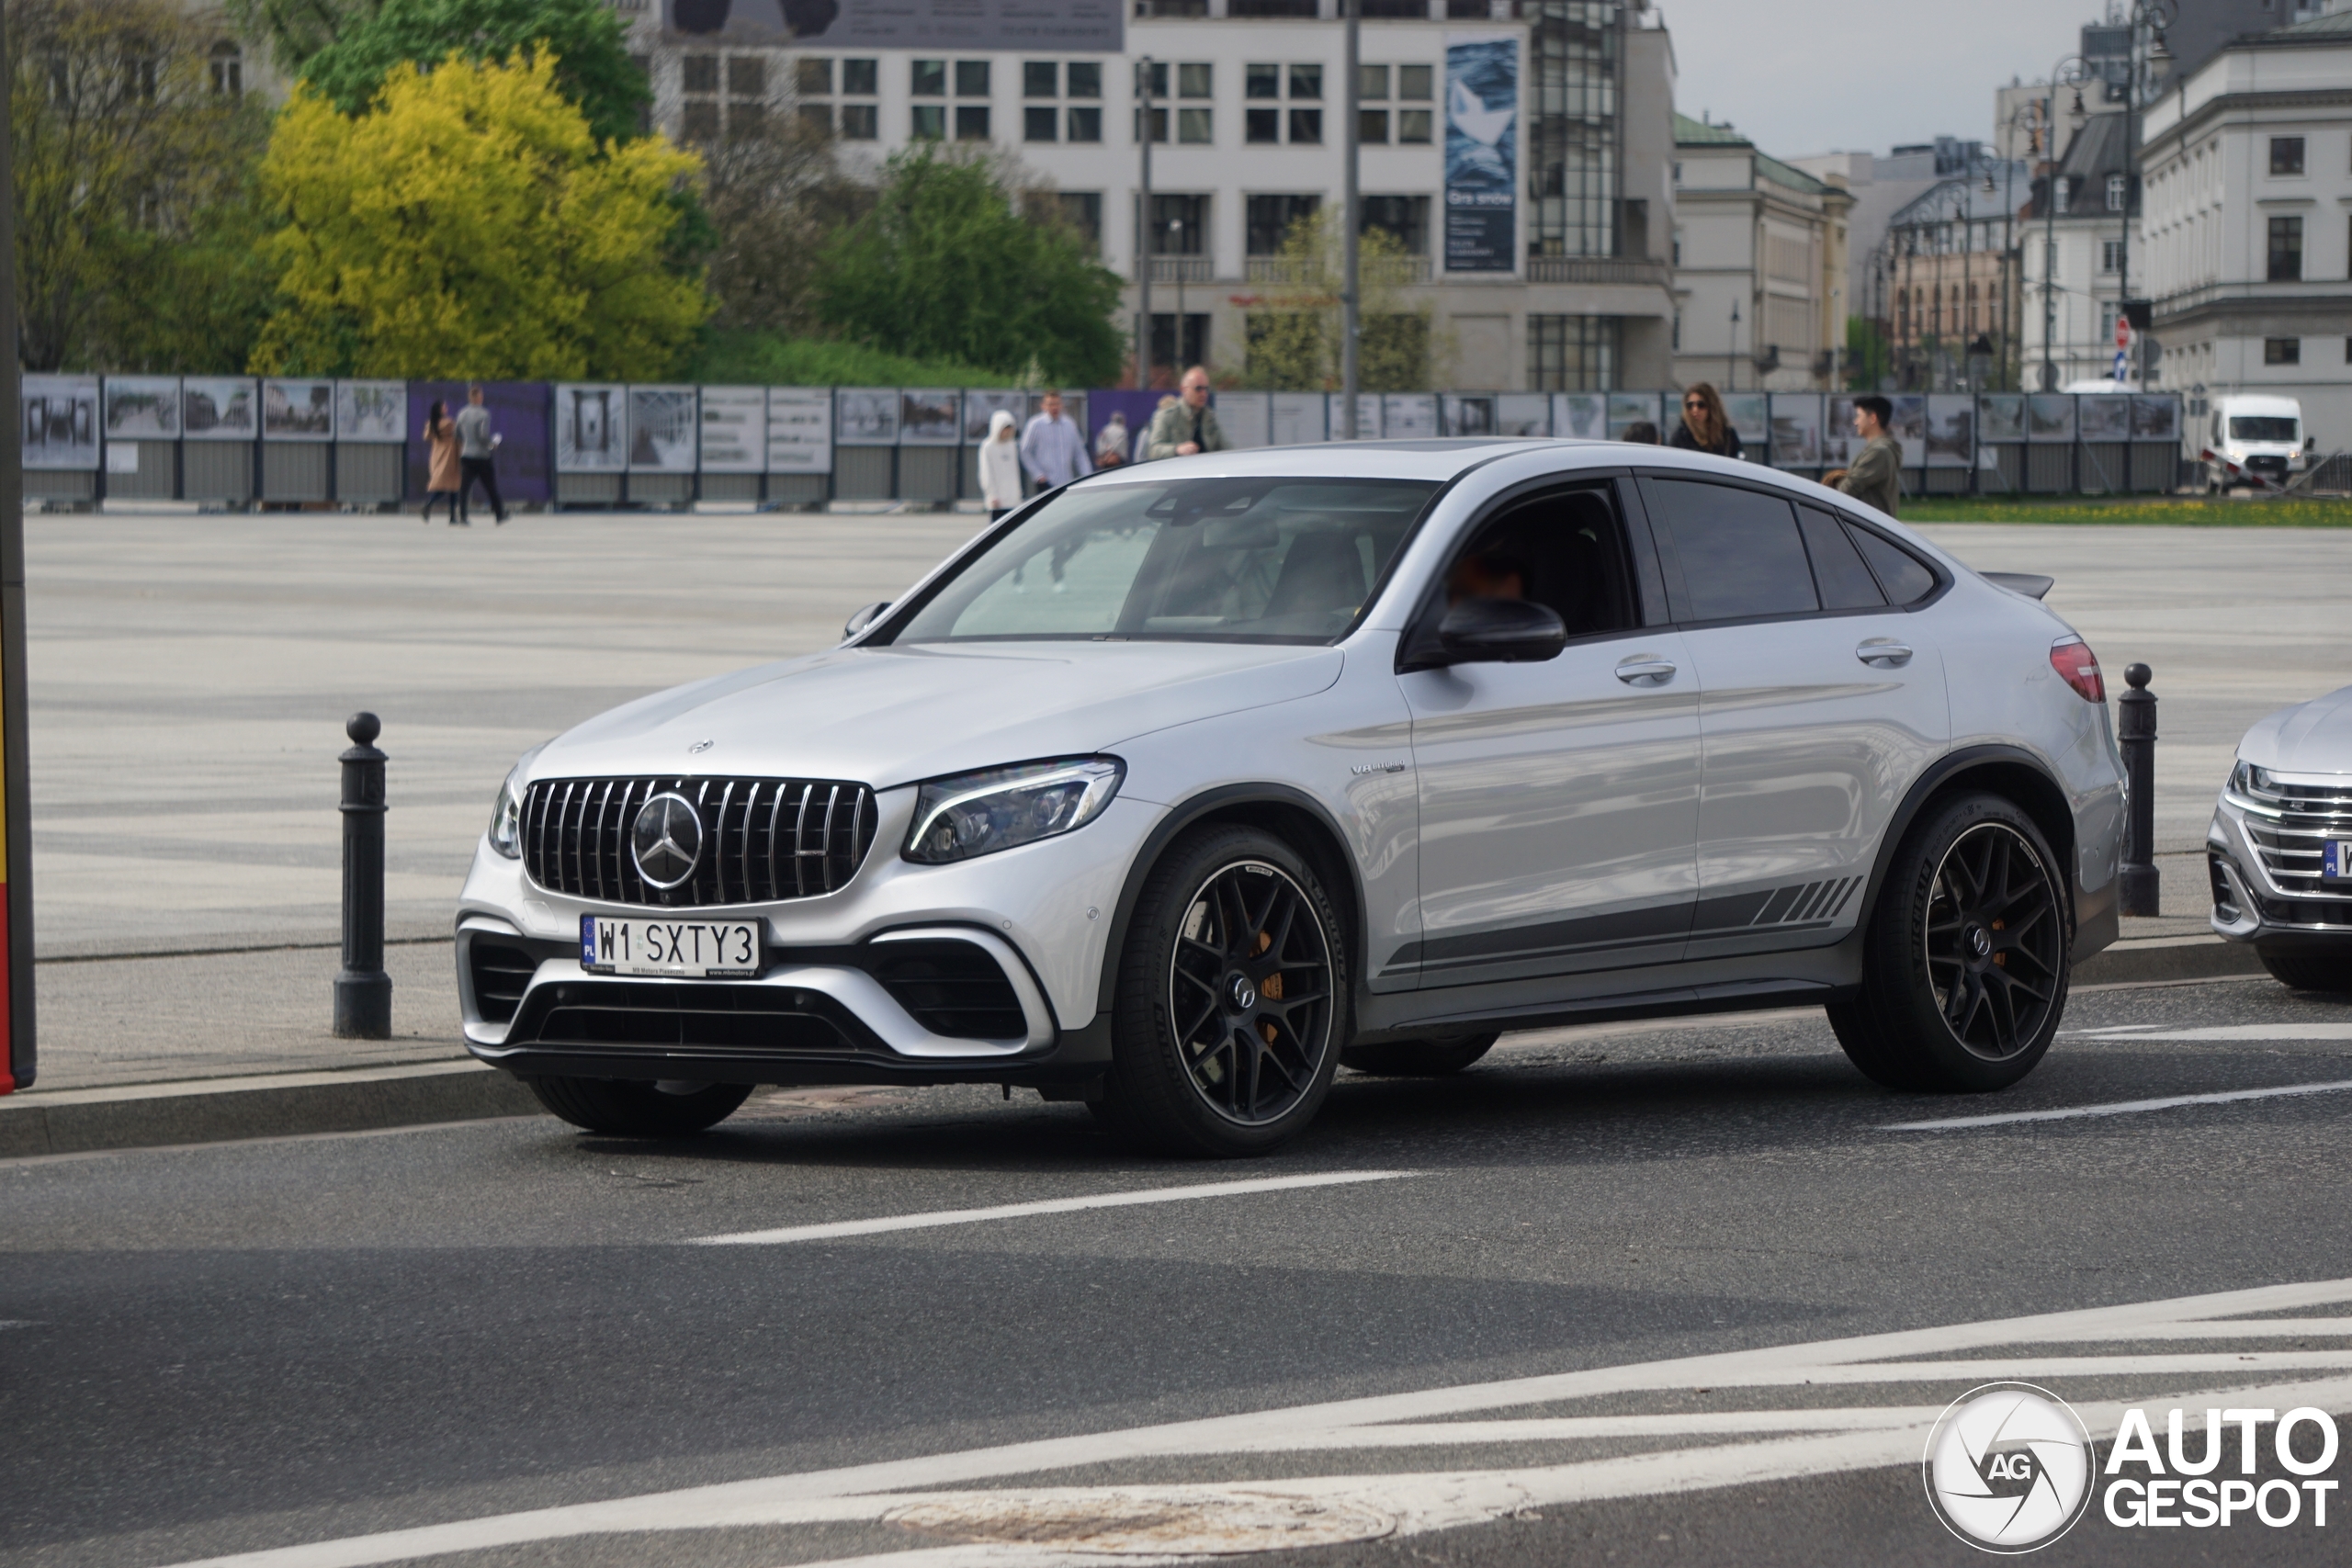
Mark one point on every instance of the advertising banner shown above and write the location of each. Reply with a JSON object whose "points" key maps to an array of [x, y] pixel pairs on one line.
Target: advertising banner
{"points": [[2155, 419], [2104, 418], [1466, 413], [217, 408], [2049, 416], [1367, 416], [143, 408], [61, 428], [660, 430], [297, 410], [1247, 417], [590, 428], [1035, 27], [1299, 418], [1747, 414], [518, 417], [800, 429], [930, 416], [370, 411], [1409, 416], [866, 416], [1581, 416], [981, 406], [1796, 430], [1523, 413], [1627, 409], [2001, 416], [1951, 430], [734, 430], [1839, 445], [1481, 152]]}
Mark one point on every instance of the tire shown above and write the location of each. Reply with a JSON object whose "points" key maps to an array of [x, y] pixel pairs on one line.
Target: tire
{"points": [[1965, 961], [1232, 998], [1418, 1058], [2310, 969], [635, 1109]]}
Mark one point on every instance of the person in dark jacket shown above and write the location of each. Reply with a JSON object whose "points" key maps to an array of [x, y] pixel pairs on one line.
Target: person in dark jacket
{"points": [[1704, 428]]}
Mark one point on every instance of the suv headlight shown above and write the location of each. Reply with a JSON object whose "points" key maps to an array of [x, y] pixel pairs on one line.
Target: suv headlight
{"points": [[506, 816], [997, 808]]}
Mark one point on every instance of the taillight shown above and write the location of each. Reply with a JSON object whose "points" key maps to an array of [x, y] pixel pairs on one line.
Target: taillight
{"points": [[2078, 667]]}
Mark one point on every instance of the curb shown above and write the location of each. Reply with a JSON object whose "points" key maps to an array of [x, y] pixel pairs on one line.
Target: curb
{"points": [[211, 1110], [2144, 959]]}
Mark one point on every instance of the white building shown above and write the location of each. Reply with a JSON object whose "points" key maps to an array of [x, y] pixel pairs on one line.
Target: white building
{"points": [[1247, 115], [2073, 243], [1759, 265], [2247, 236]]}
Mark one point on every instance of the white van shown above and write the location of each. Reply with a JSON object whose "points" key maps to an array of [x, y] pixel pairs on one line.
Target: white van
{"points": [[2253, 441]]}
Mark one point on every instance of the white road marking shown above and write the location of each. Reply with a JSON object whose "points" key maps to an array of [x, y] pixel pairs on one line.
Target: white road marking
{"points": [[1781, 1442], [2117, 1107], [2219, 1032], [1045, 1206]]}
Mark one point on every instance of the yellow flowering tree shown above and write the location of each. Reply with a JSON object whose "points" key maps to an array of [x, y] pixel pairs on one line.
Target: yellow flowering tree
{"points": [[469, 224]]}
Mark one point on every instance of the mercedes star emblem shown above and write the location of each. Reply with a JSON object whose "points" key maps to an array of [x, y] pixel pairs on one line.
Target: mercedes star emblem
{"points": [[666, 840]]}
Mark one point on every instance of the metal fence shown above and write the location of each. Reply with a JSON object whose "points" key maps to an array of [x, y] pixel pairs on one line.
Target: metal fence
{"points": [[242, 441]]}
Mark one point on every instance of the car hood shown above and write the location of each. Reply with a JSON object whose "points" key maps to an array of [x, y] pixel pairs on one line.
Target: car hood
{"points": [[2309, 738], [892, 716]]}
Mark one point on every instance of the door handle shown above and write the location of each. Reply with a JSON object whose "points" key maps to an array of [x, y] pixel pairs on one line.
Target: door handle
{"points": [[1646, 671], [1885, 652]]}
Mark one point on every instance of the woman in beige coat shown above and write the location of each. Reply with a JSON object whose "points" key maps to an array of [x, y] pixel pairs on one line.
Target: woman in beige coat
{"points": [[441, 468]]}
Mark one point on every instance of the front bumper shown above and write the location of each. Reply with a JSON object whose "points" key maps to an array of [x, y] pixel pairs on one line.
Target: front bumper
{"points": [[2253, 902], [987, 971]]}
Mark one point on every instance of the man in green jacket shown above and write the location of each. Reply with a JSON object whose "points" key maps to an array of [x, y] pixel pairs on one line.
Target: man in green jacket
{"points": [[1875, 476], [1191, 426]]}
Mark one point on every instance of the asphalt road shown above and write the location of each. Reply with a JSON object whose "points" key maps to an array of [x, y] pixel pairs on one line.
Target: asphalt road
{"points": [[1624, 1294]]}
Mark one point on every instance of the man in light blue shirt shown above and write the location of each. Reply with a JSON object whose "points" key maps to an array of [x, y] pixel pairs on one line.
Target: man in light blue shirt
{"points": [[1053, 449]]}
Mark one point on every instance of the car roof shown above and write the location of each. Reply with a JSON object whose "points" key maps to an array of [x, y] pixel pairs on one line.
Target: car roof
{"points": [[1436, 459]]}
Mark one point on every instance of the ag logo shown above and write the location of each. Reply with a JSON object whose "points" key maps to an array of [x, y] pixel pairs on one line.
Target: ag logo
{"points": [[2009, 1467]]}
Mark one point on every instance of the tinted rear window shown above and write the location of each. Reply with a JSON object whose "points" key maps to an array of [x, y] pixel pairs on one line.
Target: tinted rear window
{"points": [[1845, 582], [1740, 553], [1905, 579]]}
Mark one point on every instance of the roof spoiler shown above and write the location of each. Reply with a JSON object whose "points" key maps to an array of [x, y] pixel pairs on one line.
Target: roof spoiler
{"points": [[2033, 585]]}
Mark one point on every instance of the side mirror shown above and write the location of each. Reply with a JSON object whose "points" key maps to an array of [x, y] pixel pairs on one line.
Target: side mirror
{"points": [[863, 619], [1502, 631]]}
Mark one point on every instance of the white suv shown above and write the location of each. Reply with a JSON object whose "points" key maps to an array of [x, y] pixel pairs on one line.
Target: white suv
{"points": [[1185, 784]]}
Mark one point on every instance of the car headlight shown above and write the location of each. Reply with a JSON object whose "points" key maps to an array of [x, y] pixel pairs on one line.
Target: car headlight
{"points": [[996, 809], [2247, 779], [506, 816]]}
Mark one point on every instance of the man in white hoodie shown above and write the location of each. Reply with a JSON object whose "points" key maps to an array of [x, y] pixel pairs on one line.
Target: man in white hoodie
{"points": [[999, 467]]}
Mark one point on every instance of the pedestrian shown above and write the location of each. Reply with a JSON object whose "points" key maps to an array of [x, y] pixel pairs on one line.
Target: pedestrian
{"points": [[1704, 427], [475, 445], [1051, 449], [1876, 477], [1641, 433], [999, 467], [441, 461], [1111, 445], [1191, 426]]}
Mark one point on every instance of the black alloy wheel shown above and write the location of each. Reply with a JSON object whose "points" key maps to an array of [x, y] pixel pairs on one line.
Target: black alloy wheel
{"points": [[1965, 956], [1232, 997], [1994, 941]]}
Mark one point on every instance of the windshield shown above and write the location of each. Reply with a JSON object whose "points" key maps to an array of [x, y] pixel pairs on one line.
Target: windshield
{"points": [[1261, 559], [2262, 427]]}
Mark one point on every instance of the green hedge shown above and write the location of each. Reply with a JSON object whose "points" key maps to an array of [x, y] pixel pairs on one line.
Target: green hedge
{"points": [[757, 359]]}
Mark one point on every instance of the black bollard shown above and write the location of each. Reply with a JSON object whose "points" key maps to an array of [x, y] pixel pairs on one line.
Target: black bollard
{"points": [[2136, 730], [363, 992]]}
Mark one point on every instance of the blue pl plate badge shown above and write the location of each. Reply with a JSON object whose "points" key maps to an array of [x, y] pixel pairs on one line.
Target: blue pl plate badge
{"points": [[588, 939]]}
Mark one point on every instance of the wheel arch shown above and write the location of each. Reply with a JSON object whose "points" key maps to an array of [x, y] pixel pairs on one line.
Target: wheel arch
{"points": [[1292, 815], [2009, 771]]}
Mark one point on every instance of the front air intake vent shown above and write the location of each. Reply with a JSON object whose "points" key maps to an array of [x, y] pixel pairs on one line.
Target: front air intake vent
{"points": [[753, 840]]}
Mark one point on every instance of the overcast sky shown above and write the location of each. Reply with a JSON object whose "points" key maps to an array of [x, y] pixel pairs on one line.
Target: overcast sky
{"points": [[1804, 76]]}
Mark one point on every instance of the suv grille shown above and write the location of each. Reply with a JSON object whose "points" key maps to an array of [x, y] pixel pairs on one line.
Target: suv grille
{"points": [[764, 840], [2289, 824]]}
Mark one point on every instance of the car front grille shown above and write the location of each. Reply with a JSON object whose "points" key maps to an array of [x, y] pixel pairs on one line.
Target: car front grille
{"points": [[762, 841], [2289, 825]]}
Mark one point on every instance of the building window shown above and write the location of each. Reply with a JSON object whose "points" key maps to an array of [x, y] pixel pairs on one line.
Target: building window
{"points": [[1179, 225], [860, 78], [228, 70], [812, 78], [1085, 78], [1413, 126], [1261, 125], [2065, 196], [971, 78], [747, 76], [1262, 81], [1041, 124], [2282, 351], [1082, 210], [1372, 81], [928, 122], [928, 78], [1086, 124], [2286, 154], [2285, 250], [1306, 81], [2116, 186], [1406, 218], [1158, 78], [861, 122], [1306, 126], [1372, 126], [1159, 124], [699, 73], [1195, 126], [1572, 354], [1196, 79], [1414, 82], [971, 122], [1193, 349], [1041, 79], [2110, 255], [1269, 219]]}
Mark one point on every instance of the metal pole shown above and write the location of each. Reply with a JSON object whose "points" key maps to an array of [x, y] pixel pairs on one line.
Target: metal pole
{"points": [[1350, 221], [1144, 229], [363, 992], [2136, 734], [17, 1020]]}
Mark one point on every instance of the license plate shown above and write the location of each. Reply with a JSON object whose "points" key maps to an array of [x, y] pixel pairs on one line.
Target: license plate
{"points": [[702, 949], [2335, 860]]}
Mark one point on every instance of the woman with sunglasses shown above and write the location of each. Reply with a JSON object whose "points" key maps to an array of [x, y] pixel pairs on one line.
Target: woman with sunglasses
{"points": [[1703, 426]]}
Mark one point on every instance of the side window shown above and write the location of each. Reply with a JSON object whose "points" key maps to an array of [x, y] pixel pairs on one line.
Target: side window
{"points": [[1844, 582], [1739, 550], [1905, 580], [1564, 550]]}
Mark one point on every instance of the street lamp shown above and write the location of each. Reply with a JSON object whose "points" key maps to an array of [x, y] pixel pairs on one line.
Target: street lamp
{"points": [[1144, 234], [2070, 71], [1731, 360], [1350, 218], [2152, 16]]}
